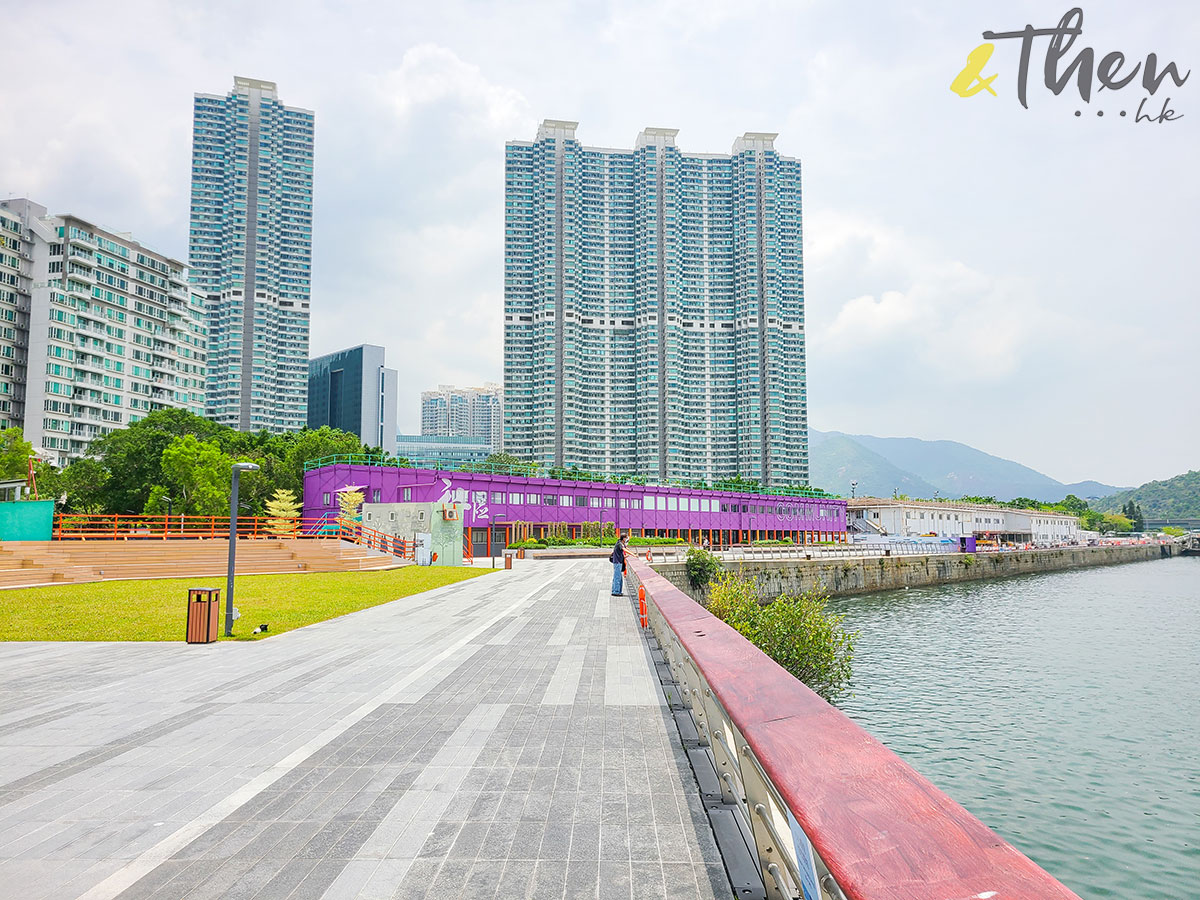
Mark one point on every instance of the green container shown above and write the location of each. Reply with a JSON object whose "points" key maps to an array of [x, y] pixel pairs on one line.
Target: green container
{"points": [[27, 520]]}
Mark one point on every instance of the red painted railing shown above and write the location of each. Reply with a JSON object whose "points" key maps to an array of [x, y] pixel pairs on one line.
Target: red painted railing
{"points": [[880, 829], [351, 530], [71, 526]]}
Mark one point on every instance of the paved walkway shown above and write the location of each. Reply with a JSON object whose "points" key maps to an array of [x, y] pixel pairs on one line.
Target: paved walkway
{"points": [[502, 737]]}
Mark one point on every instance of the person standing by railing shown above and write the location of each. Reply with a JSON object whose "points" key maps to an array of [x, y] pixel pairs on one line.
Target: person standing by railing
{"points": [[618, 560]]}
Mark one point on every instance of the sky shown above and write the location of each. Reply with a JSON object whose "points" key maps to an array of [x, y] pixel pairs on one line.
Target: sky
{"points": [[1023, 280]]}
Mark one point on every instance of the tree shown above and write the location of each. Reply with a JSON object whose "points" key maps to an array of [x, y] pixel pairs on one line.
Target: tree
{"points": [[133, 456], [197, 474], [309, 445], [794, 630], [15, 453], [349, 504], [1115, 523], [81, 486], [1133, 513], [284, 510], [1072, 504]]}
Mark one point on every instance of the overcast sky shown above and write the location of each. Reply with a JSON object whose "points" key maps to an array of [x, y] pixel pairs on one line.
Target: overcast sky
{"points": [[1022, 280]]}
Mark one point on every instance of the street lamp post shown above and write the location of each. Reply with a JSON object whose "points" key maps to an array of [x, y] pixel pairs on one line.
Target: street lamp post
{"points": [[238, 469], [853, 487], [496, 519]]}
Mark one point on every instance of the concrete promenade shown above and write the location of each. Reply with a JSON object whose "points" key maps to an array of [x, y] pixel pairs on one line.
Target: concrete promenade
{"points": [[502, 737]]}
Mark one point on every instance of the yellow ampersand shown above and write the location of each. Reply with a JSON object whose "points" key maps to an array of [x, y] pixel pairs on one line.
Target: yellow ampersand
{"points": [[970, 80]]}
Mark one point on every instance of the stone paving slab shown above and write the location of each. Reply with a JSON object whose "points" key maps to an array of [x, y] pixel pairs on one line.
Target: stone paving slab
{"points": [[503, 737]]}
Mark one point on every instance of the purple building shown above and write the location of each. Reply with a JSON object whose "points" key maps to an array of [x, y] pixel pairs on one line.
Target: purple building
{"points": [[492, 503]]}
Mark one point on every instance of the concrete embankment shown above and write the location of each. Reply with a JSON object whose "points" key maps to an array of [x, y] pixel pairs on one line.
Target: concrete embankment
{"points": [[850, 575]]}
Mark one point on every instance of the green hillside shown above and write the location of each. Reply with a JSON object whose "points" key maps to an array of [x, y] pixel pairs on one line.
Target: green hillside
{"points": [[1177, 498]]}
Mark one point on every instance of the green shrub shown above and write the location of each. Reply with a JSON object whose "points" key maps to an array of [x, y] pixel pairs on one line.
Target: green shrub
{"points": [[527, 544], [701, 567], [654, 542], [794, 630], [782, 542]]}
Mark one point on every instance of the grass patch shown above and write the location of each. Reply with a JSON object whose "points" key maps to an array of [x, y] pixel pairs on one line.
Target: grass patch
{"points": [[155, 610]]}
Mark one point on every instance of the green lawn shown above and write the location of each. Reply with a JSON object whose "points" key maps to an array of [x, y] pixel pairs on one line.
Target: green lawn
{"points": [[155, 610]]}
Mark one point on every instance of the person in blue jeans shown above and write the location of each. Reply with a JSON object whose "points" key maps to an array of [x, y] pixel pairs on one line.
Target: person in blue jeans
{"points": [[618, 560]]}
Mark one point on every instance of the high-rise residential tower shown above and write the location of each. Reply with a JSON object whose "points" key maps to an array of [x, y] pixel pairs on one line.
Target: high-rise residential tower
{"points": [[97, 331], [654, 308], [250, 252], [474, 412]]}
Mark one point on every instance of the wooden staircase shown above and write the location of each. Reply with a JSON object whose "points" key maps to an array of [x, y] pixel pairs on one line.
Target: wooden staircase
{"points": [[25, 563]]}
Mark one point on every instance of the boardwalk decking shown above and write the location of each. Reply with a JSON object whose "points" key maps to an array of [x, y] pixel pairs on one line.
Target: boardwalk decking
{"points": [[502, 737]]}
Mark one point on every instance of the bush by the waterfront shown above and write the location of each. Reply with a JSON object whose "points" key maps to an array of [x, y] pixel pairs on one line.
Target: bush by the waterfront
{"points": [[794, 630], [783, 542], [701, 566]]}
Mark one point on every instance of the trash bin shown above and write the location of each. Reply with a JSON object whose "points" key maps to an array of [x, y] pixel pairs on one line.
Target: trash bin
{"points": [[521, 553], [203, 615], [508, 560]]}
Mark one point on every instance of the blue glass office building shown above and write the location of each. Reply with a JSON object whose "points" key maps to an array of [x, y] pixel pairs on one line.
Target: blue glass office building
{"points": [[250, 252], [654, 308]]}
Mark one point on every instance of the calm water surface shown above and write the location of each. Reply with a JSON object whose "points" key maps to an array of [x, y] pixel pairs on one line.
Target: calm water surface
{"points": [[1063, 710]]}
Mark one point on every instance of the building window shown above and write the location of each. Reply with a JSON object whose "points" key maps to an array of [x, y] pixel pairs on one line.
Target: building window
{"points": [[673, 504], [408, 495], [497, 496], [550, 500], [515, 499], [376, 496], [635, 503], [624, 503], [581, 500], [649, 502], [661, 502], [533, 499], [594, 501], [325, 499], [610, 502]]}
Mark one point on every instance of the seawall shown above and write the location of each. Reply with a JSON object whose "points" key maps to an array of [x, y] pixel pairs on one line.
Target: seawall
{"points": [[866, 574]]}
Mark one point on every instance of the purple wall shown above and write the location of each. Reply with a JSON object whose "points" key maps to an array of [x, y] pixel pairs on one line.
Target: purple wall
{"points": [[476, 493]]}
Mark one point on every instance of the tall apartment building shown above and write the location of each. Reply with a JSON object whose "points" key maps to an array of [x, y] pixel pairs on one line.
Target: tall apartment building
{"points": [[474, 412], [353, 390], [250, 252], [97, 330], [654, 308]]}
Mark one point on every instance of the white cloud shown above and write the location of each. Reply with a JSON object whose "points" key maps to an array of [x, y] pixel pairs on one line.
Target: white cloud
{"points": [[430, 75]]}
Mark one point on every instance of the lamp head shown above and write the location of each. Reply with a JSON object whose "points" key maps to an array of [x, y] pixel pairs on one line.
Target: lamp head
{"points": [[245, 467]]}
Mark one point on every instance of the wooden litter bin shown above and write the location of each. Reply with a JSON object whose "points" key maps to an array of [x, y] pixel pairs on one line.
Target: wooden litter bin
{"points": [[203, 615]]}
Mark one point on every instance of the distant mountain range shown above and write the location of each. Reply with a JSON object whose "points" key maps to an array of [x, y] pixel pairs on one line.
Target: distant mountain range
{"points": [[919, 468]]}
